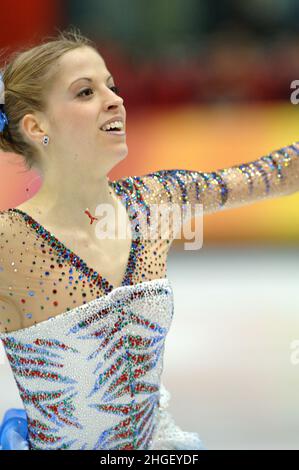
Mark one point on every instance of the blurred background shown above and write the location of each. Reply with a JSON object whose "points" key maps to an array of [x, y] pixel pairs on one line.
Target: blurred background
{"points": [[206, 85]]}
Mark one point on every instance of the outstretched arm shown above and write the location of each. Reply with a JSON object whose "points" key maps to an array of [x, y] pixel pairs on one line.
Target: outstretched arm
{"points": [[270, 176]]}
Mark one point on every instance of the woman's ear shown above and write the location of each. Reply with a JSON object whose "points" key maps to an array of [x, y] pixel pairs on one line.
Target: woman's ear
{"points": [[32, 127]]}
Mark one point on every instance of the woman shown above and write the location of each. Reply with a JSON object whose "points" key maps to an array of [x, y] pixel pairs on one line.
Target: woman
{"points": [[84, 318]]}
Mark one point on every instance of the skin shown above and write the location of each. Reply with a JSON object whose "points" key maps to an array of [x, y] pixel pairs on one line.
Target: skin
{"points": [[75, 163]]}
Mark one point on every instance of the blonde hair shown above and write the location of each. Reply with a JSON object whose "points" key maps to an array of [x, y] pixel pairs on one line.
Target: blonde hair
{"points": [[27, 77]]}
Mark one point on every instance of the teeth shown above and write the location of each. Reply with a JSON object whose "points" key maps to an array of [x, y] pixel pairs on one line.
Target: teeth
{"points": [[118, 124]]}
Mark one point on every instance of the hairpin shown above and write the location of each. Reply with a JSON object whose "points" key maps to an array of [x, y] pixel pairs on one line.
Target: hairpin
{"points": [[3, 116]]}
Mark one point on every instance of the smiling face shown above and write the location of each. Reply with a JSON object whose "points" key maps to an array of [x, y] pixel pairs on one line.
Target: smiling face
{"points": [[81, 99]]}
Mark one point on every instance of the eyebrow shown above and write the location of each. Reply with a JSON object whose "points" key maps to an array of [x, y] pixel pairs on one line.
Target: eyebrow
{"points": [[88, 79]]}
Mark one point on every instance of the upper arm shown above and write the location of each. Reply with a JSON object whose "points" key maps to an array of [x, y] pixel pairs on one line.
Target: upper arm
{"points": [[10, 315]]}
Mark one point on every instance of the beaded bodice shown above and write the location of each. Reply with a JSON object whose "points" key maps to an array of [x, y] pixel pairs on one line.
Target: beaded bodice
{"points": [[90, 378]]}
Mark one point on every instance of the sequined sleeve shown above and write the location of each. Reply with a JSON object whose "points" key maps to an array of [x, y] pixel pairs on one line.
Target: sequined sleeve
{"points": [[269, 176]]}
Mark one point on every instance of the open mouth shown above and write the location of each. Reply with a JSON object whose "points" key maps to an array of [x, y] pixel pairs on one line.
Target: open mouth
{"points": [[114, 132], [116, 127]]}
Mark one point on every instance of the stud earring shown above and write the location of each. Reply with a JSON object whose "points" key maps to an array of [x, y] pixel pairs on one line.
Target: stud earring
{"points": [[46, 139]]}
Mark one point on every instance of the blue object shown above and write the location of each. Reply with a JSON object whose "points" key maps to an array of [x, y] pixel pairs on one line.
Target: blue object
{"points": [[3, 116], [3, 119], [14, 430]]}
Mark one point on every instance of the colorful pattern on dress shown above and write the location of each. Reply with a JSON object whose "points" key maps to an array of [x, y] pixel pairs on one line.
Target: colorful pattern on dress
{"points": [[133, 202], [65, 253], [130, 358], [109, 354]]}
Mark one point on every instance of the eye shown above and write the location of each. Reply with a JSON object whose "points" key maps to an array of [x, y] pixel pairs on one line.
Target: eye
{"points": [[83, 91], [113, 88]]}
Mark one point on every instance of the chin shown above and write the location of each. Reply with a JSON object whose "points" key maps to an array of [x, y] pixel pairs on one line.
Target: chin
{"points": [[122, 155]]}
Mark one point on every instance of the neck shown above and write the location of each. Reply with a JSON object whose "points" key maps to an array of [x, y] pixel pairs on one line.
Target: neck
{"points": [[69, 197]]}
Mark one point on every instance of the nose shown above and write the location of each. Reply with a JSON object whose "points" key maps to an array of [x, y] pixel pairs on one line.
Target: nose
{"points": [[114, 100]]}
